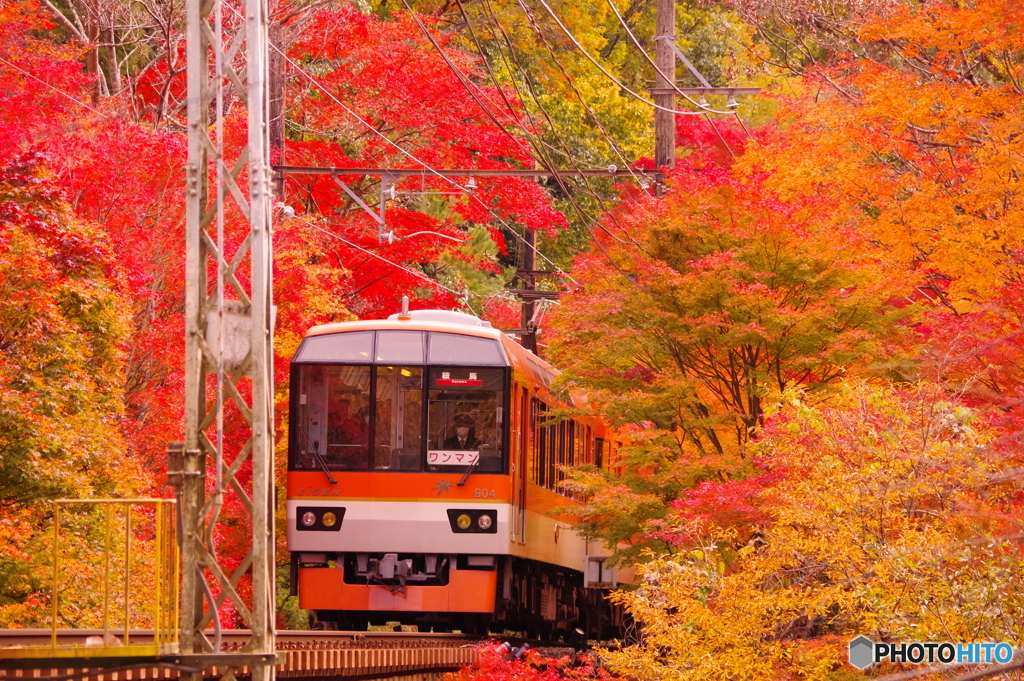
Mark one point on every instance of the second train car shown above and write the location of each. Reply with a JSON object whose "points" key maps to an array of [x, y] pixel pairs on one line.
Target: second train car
{"points": [[423, 472]]}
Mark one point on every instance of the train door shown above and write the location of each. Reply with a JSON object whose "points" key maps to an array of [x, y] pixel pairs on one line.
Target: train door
{"points": [[521, 406]]}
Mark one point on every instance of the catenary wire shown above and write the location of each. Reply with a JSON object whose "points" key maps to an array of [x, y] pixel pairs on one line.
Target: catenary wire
{"points": [[59, 92], [465, 84], [412, 156], [401, 267], [632, 241], [534, 136], [611, 142], [542, 157], [565, 148], [416, 273], [668, 80], [603, 70], [409, 154], [480, 96], [547, 117], [533, 94], [413, 272], [557, 269]]}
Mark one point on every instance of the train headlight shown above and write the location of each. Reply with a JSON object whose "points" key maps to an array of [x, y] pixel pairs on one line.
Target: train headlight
{"points": [[473, 520], [319, 518]]}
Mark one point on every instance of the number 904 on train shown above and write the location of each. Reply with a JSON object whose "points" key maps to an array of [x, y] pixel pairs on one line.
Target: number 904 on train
{"points": [[423, 483]]}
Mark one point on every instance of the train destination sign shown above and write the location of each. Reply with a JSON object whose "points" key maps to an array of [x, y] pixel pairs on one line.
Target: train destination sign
{"points": [[446, 380]]}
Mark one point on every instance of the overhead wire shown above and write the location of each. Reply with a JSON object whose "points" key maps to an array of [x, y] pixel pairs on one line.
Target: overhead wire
{"points": [[603, 70], [426, 166], [540, 155], [705, 109], [58, 91], [543, 110], [409, 154], [611, 141], [533, 93], [419, 274], [566, 151], [534, 136], [509, 111], [415, 273], [672, 84], [464, 82], [612, 144], [408, 270], [565, 148], [536, 154]]}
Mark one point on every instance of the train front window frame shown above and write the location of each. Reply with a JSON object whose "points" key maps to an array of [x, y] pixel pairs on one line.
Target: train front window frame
{"points": [[457, 350], [337, 348], [333, 411], [466, 411], [398, 418], [400, 347], [394, 398]]}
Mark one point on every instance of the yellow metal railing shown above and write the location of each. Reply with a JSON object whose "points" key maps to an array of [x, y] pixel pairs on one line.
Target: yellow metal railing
{"points": [[129, 584]]}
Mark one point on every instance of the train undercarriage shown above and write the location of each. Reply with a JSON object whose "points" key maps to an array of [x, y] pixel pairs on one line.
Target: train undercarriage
{"points": [[534, 599]]}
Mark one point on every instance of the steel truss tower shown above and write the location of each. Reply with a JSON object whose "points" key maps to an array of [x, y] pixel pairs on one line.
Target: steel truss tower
{"points": [[229, 331]]}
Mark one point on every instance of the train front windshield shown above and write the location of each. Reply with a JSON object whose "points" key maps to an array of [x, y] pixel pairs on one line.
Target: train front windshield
{"points": [[398, 401]]}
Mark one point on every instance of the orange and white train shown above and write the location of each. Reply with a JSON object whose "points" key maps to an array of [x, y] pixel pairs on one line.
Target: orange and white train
{"points": [[423, 472]]}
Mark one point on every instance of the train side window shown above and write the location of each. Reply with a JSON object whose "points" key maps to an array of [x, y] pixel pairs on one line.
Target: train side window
{"points": [[465, 413], [574, 455], [334, 412], [540, 445], [543, 445], [573, 452], [398, 435], [566, 445], [553, 453]]}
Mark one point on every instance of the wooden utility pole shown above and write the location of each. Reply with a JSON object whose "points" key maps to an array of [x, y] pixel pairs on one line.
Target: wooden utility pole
{"points": [[529, 278], [278, 64], [665, 58]]}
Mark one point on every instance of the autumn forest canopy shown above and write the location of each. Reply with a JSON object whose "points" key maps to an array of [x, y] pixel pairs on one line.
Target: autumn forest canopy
{"points": [[811, 336]]}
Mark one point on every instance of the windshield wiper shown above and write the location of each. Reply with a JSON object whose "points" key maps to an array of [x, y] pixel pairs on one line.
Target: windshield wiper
{"points": [[323, 464], [469, 471], [472, 467]]}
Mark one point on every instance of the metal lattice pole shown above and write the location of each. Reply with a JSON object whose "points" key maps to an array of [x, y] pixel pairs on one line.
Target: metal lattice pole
{"points": [[229, 319]]}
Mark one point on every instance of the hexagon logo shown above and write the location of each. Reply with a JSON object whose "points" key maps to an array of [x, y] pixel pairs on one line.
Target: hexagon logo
{"points": [[862, 652]]}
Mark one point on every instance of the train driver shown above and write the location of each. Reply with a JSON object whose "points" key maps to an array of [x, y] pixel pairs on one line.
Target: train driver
{"points": [[465, 435]]}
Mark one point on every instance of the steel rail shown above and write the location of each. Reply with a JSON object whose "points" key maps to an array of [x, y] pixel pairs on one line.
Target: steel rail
{"points": [[354, 656]]}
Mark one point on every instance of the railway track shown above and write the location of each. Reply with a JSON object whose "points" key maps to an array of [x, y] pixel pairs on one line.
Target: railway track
{"points": [[351, 656]]}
